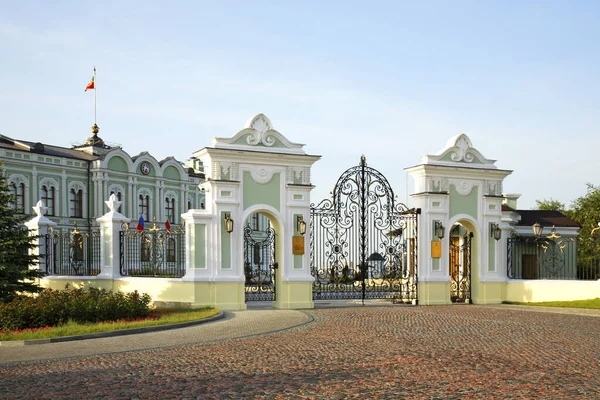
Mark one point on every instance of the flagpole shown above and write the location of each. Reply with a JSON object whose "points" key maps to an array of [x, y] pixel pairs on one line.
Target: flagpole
{"points": [[95, 91]]}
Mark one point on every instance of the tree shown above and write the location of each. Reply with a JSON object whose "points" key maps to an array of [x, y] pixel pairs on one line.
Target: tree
{"points": [[16, 277], [550, 205], [585, 210]]}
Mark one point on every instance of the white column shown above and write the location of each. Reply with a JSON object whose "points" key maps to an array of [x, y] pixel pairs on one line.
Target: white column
{"points": [[39, 227], [134, 200], [34, 185], [110, 228], [64, 202], [158, 201]]}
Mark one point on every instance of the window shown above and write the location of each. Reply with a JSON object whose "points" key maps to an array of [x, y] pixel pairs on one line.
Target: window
{"points": [[48, 197], [170, 209], [18, 191], [171, 250], [77, 247], [76, 203], [144, 204], [189, 205], [145, 248], [255, 221], [119, 197]]}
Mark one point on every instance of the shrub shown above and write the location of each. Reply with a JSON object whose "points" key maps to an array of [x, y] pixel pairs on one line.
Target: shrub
{"points": [[56, 307]]}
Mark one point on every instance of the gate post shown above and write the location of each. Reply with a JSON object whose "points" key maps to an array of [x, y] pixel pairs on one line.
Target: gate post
{"points": [[110, 238], [39, 226]]}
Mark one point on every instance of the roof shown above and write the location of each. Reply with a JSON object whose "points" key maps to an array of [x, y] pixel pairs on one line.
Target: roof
{"points": [[546, 218], [47, 149]]}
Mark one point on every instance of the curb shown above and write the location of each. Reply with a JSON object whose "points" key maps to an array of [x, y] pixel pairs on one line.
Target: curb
{"points": [[122, 332]]}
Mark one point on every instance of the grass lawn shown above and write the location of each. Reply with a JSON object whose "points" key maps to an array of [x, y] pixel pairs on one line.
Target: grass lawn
{"points": [[592, 303], [157, 317]]}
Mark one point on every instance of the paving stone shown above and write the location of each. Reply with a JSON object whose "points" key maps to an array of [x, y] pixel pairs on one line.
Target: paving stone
{"points": [[445, 352]]}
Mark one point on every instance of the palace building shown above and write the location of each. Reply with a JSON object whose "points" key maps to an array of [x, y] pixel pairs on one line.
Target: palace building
{"points": [[74, 182]]}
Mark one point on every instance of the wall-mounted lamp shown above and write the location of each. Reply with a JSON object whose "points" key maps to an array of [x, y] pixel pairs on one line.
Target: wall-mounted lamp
{"points": [[439, 230], [495, 231], [537, 230], [228, 223], [300, 225]]}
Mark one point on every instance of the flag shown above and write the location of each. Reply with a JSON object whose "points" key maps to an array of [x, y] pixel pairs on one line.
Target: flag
{"points": [[140, 226], [168, 226], [90, 85]]}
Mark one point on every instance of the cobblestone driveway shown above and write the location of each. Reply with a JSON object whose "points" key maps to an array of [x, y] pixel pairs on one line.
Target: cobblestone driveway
{"points": [[446, 352]]}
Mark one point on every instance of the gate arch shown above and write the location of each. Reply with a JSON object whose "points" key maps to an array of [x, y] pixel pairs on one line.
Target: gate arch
{"points": [[363, 242]]}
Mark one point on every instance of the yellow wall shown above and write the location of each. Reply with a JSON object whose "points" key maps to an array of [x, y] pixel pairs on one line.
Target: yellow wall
{"points": [[294, 295], [434, 293], [550, 290]]}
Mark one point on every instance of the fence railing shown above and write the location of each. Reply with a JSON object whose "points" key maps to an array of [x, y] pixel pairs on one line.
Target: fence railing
{"points": [[553, 257], [74, 253], [154, 252]]}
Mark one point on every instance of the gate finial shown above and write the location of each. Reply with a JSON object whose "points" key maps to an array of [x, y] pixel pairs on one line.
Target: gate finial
{"points": [[363, 160]]}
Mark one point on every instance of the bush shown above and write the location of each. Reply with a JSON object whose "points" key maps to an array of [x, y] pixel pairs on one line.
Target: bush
{"points": [[56, 307]]}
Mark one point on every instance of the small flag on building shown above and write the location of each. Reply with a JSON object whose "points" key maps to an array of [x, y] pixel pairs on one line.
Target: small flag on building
{"points": [[90, 85], [168, 226], [140, 226]]}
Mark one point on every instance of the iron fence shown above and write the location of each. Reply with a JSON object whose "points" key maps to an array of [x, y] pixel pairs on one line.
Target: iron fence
{"points": [[154, 252], [553, 257], [74, 253]]}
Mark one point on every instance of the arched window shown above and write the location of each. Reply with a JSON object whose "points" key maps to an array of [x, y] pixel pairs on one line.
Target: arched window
{"points": [[170, 209], [189, 204], [18, 191], [48, 197], [144, 206], [76, 203]]}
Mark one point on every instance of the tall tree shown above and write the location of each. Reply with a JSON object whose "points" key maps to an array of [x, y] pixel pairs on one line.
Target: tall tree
{"points": [[550, 205], [16, 277]]}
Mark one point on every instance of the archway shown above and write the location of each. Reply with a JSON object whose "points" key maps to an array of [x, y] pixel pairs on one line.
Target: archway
{"points": [[260, 258], [463, 260]]}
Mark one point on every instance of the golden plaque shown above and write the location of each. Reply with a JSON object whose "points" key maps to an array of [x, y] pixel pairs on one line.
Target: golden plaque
{"points": [[436, 249], [297, 245]]}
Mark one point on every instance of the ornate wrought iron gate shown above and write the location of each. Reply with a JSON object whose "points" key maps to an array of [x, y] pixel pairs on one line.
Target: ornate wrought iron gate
{"points": [[259, 264], [460, 269], [363, 244]]}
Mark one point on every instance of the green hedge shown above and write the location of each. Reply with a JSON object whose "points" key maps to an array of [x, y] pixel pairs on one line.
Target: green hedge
{"points": [[56, 307]]}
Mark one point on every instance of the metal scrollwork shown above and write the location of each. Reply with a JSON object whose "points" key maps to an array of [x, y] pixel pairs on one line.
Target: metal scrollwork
{"points": [[460, 269], [259, 264], [155, 252], [72, 253], [363, 243]]}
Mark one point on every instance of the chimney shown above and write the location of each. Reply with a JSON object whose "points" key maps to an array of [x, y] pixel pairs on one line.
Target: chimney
{"points": [[510, 199]]}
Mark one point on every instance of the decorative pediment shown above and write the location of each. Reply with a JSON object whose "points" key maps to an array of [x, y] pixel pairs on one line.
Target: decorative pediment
{"points": [[459, 150], [259, 135]]}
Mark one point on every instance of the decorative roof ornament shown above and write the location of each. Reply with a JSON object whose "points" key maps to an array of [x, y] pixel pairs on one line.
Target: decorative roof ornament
{"points": [[259, 135], [459, 151], [95, 140]]}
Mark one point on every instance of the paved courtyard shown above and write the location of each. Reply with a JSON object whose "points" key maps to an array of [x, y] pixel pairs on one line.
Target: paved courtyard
{"points": [[372, 352]]}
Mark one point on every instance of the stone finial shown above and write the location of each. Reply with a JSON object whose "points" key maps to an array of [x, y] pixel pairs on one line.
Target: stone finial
{"points": [[40, 209], [112, 203]]}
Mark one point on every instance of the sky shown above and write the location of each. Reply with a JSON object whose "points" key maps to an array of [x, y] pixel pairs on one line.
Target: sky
{"points": [[390, 80]]}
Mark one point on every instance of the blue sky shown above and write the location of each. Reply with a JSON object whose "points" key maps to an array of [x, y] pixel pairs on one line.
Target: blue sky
{"points": [[393, 80]]}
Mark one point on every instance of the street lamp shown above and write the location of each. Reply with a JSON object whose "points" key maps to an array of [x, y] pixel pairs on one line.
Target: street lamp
{"points": [[439, 229], [300, 225], [537, 230], [495, 231], [228, 223]]}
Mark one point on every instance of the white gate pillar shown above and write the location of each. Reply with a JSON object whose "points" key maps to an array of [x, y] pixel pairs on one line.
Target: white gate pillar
{"points": [[110, 230], [40, 226]]}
